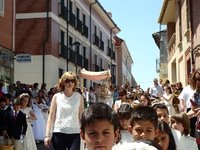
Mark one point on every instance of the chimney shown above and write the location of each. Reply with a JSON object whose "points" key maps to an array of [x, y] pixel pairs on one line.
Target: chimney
{"points": [[109, 14]]}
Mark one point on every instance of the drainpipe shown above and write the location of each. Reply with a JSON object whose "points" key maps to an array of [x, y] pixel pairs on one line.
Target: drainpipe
{"points": [[13, 41], [45, 41], [67, 34], [91, 34], [191, 38], [91, 38]]}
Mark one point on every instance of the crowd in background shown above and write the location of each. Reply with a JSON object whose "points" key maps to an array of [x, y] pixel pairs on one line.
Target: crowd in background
{"points": [[175, 105]]}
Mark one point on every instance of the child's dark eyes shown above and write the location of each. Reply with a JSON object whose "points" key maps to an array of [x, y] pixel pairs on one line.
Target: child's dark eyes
{"points": [[106, 132]]}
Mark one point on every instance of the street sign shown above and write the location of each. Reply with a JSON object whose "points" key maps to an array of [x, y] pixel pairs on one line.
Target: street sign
{"points": [[24, 58]]}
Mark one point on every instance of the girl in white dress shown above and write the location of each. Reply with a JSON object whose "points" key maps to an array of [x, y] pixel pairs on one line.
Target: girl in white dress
{"points": [[39, 125], [29, 141], [180, 121], [167, 98]]}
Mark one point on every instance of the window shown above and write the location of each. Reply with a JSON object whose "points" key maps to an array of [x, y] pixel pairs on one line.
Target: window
{"points": [[77, 49], [62, 37], [84, 19], [100, 35], [70, 40], [60, 72], [101, 62], [180, 20], [95, 59], [77, 13], [109, 66], [109, 43], [84, 52], [95, 29], [70, 7], [1, 7]]}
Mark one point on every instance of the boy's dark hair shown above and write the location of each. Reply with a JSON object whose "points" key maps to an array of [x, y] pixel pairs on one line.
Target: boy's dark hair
{"points": [[99, 111], [8, 96], [144, 113], [124, 111], [160, 106], [16, 102], [3, 99]]}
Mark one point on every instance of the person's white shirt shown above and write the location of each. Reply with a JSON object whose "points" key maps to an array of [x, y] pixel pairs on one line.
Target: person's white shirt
{"points": [[4, 90], [187, 143], [186, 95], [156, 90]]}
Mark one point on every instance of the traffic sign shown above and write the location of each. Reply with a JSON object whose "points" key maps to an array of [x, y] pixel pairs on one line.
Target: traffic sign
{"points": [[24, 58]]}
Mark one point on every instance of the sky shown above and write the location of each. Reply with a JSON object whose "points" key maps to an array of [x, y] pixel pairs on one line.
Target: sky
{"points": [[138, 20]]}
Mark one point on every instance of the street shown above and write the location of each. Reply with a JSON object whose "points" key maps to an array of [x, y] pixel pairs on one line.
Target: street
{"points": [[41, 146]]}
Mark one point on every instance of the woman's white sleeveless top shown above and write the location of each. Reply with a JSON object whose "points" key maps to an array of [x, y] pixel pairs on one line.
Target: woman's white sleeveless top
{"points": [[67, 113]]}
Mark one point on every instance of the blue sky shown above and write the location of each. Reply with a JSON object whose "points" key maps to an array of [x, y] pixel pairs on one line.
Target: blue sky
{"points": [[137, 20]]}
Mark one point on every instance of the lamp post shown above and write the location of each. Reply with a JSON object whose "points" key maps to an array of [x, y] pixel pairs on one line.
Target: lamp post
{"points": [[76, 44]]}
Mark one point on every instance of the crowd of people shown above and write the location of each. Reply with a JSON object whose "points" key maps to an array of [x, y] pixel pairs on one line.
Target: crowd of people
{"points": [[165, 116]]}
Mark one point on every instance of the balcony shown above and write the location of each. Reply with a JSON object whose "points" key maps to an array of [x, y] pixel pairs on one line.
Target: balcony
{"points": [[71, 55], [113, 55], [96, 67], [158, 65], [171, 47], [101, 45], [63, 51], [109, 51], [85, 63], [71, 19], [79, 25], [95, 40], [85, 31], [79, 59], [63, 11]]}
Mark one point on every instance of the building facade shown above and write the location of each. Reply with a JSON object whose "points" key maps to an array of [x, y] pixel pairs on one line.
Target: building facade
{"points": [[63, 36], [182, 23], [6, 40], [160, 39], [124, 63]]}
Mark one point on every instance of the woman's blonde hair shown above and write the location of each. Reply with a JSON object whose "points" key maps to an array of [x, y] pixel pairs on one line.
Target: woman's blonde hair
{"points": [[64, 77], [182, 118], [193, 84]]}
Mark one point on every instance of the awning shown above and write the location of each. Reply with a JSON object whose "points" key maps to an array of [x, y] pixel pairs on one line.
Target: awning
{"points": [[94, 76]]}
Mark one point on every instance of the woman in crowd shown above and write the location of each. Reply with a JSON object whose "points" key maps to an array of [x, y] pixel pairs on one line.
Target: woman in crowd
{"points": [[65, 113], [145, 99], [122, 98], [29, 141]]}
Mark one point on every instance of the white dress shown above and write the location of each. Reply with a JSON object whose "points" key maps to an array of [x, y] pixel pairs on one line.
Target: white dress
{"points": [[39, 125], [169, 105], [29, 141]]}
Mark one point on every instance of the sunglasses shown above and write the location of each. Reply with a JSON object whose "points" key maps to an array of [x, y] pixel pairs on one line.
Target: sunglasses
{"points": [[121, 95], [68, 80]]}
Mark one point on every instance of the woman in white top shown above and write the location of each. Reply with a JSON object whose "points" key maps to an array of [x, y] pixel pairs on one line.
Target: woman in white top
{"points": [[180, 121], [122, 98], [167, 97], [65, 113]]}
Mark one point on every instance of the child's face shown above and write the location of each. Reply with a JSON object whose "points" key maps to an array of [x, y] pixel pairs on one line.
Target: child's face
{"points": [[16, 108], [163, 115], [124, 123], [99, 135], [143, 101], [2, 105], [177, 125], [163, 140], [143, 130]]}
